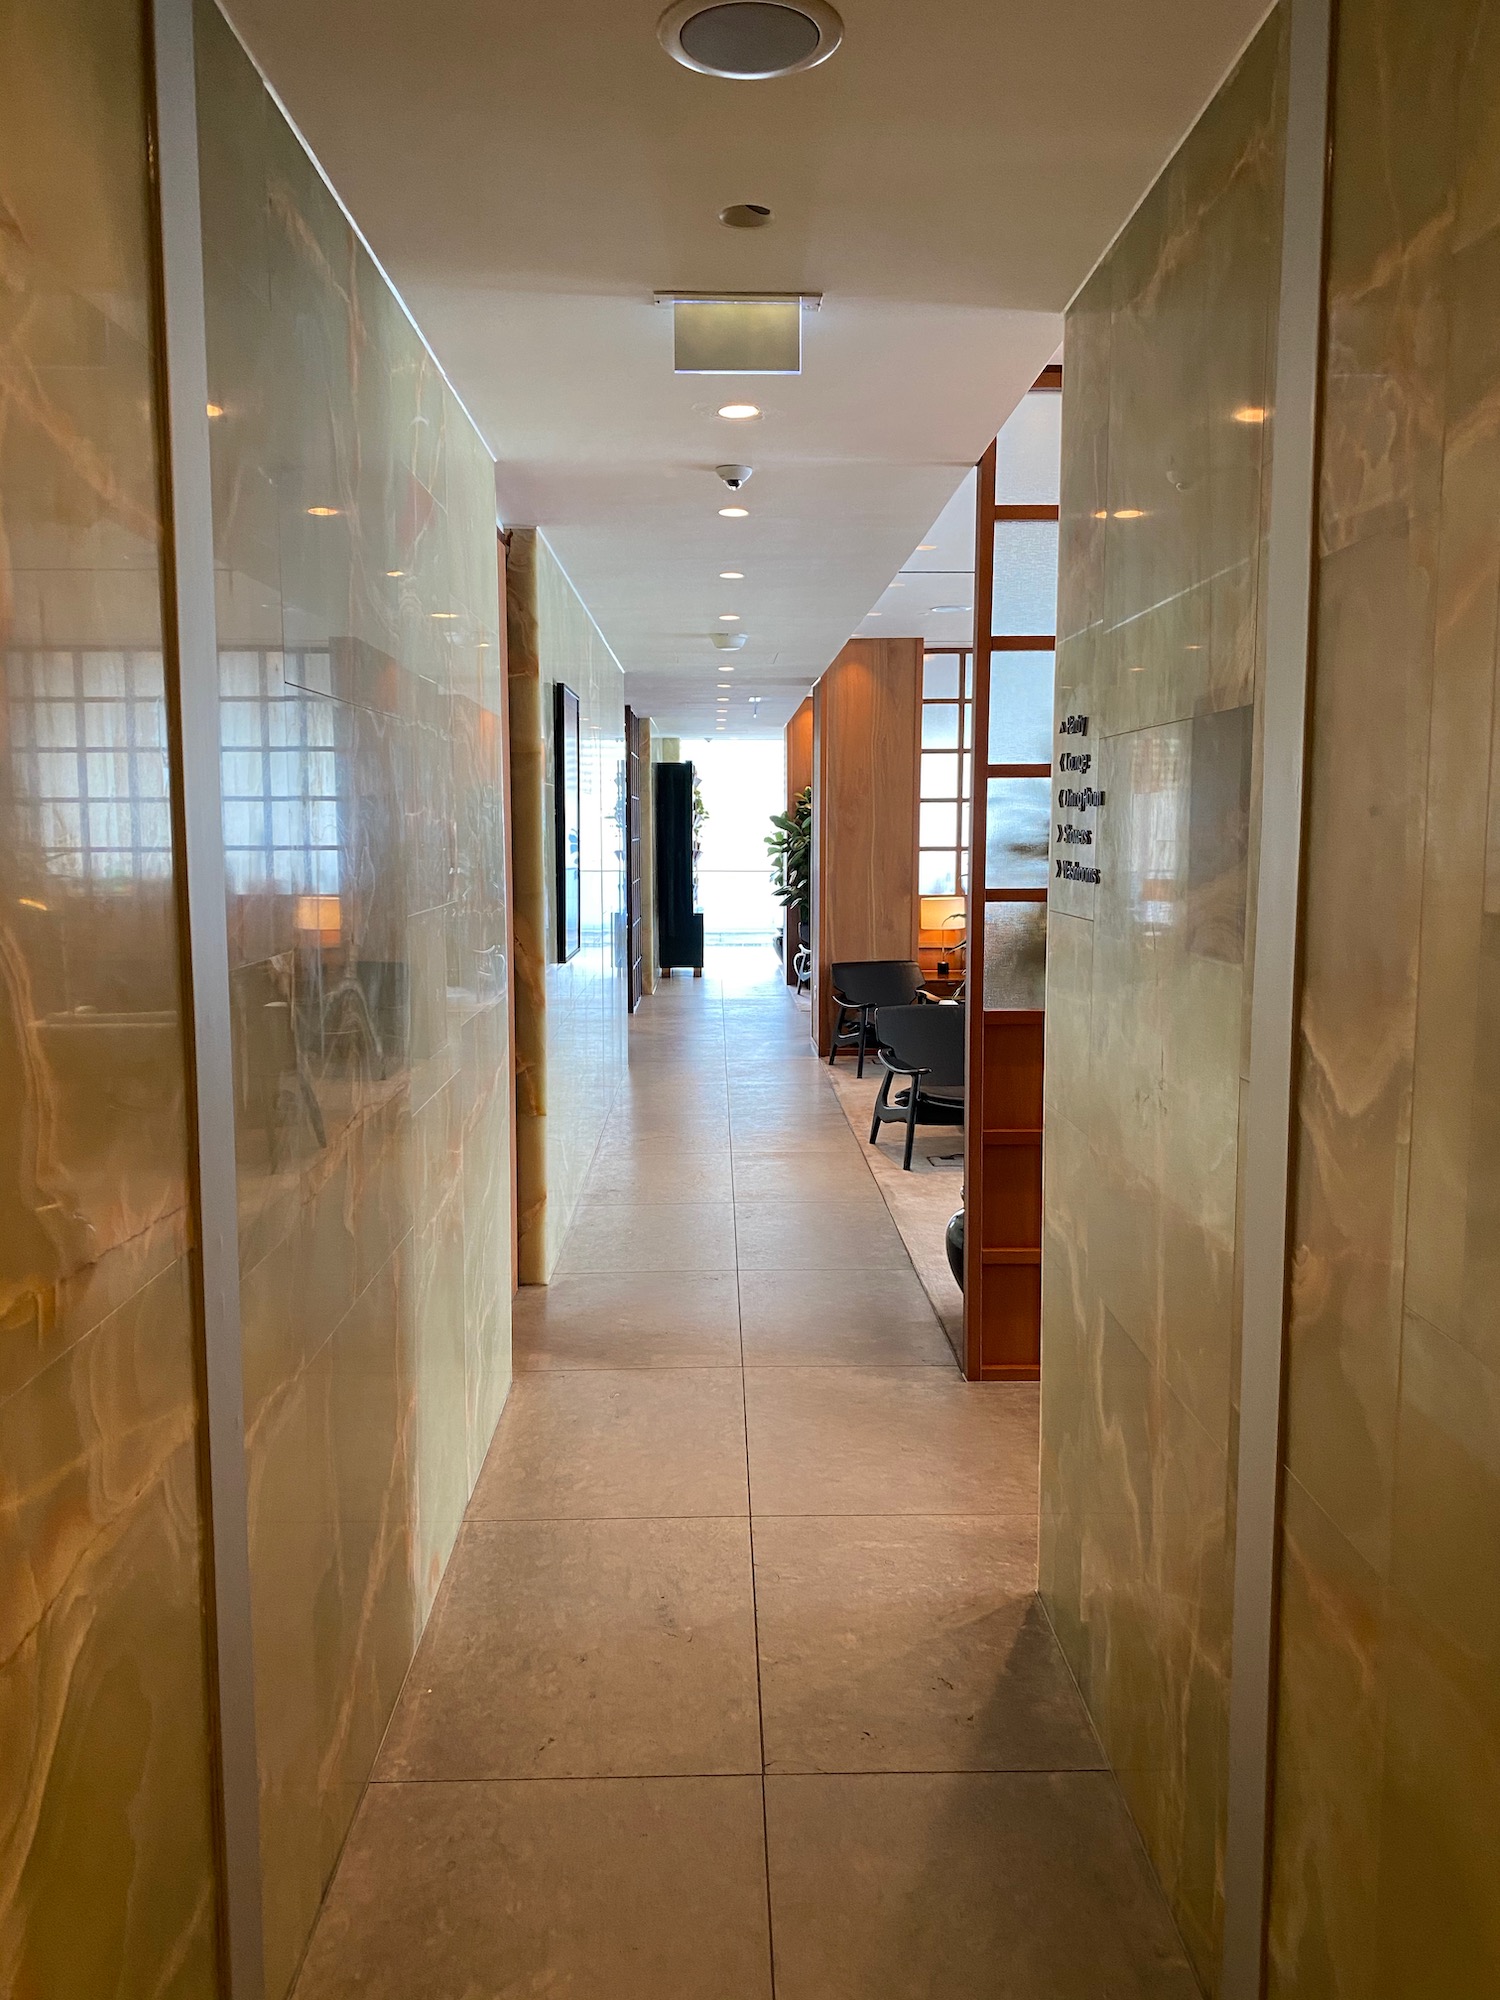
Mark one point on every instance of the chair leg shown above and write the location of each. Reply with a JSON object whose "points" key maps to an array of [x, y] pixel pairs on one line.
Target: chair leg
{"points": [[833, 1040], [880, 1103], [864, 1033], [911, 1126]]}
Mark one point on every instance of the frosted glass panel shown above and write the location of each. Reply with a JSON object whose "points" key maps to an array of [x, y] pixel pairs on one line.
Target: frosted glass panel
{"points": [[1028, 452], [940, 677], [1015, 954], [1021, 707], [939, 775], [1025, 578], [939, 825], [940, 726], [935, 874], [1016, 827]]}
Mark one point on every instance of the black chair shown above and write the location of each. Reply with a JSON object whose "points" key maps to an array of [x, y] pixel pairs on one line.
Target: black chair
{"points": [[926, 1046], [802, 962], [860, 985]]}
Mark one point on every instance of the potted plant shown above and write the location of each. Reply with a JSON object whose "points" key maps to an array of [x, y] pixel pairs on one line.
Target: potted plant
{"points": [[789, 845]]}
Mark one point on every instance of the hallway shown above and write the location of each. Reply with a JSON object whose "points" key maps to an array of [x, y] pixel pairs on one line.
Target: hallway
{"points": [[736, 1684]]}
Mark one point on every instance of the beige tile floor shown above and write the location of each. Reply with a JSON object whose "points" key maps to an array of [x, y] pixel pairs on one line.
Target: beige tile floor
{"points": [[737, 1685]]}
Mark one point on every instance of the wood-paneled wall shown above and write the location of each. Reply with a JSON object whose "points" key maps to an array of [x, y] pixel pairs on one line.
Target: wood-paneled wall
{"points": [[799, 775], [866, 711]]}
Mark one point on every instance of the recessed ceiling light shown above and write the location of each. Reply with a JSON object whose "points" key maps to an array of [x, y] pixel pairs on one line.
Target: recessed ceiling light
{"points": [[1251, 413], [323, 513], [739, 413], [925, 548], [729, 618], [395, 572], [897, 584], [745, 215], [1129, 513], [444, 614], [750, 39], [874, 614], [951, 607], [724, 684], [735, 513], [215, 409], [731, 576]]}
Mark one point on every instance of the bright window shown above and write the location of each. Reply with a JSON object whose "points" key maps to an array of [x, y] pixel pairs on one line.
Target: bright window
{"points": [[947, 740]]}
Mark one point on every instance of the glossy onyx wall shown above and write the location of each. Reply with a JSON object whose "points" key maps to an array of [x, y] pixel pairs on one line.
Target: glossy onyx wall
{"points": [[358, 604], [1167, 367], [1387, 1815], [106, 1835]]}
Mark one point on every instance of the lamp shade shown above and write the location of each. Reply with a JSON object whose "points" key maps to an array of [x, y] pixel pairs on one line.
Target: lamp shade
{"points": [[944, 913]]}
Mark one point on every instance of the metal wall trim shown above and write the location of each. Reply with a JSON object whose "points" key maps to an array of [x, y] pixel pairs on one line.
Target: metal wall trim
{"points": [[193, 636], [1270, 1100]]}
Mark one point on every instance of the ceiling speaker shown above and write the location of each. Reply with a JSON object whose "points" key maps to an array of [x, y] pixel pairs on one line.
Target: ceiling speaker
{"points": [[750, 39]]}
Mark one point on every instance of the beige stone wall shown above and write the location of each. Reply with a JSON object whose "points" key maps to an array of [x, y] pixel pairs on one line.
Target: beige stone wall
{"points": [[1167, 379], [571, 1014], [106, 1818], [1388, 1772]]}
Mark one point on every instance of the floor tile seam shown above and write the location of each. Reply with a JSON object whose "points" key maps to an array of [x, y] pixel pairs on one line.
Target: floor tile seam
{"points": [[1018, 1771], [869, 1514], [662, 1367], [760, 1704], [665, 1777], [746, 1776], [1021, 1773], [641, 1271], [709, 1367], [634, 1368], [763, 1514], [559, 1520]]}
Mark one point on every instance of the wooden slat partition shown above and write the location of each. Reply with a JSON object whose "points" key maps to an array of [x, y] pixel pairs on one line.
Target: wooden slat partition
{"points": [[865, 773], [799, 775]]}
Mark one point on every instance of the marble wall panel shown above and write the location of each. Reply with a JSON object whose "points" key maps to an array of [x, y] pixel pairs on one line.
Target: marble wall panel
{"points": [[354, 534], [571, 1016], [1387, 1805], [107, 1874], [1167, 382]]}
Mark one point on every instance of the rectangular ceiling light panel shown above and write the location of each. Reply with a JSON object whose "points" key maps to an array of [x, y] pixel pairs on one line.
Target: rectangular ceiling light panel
{"points": [[737, 336]]}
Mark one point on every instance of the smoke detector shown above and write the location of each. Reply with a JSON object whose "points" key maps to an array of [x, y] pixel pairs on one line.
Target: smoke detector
{"points": [[750, 39]]}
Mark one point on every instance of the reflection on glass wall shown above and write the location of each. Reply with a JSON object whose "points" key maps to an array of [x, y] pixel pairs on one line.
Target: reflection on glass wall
{"points": [[106, 1836], [354, 535], [586, 1011]]}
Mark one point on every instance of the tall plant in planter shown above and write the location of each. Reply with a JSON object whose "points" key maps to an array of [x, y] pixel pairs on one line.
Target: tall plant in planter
{"points": [[789, 845]]}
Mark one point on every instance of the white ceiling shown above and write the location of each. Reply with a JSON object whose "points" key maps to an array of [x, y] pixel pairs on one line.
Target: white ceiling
{"points": [[530, 171], [933, 596]]}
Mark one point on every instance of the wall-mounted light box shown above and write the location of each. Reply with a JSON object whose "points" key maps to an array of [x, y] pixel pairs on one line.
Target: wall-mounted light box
{"points": [[717, 335]]}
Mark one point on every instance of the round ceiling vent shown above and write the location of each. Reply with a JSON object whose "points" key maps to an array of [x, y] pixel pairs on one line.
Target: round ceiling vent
{"points": [[745, 215], [750, 38]]}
